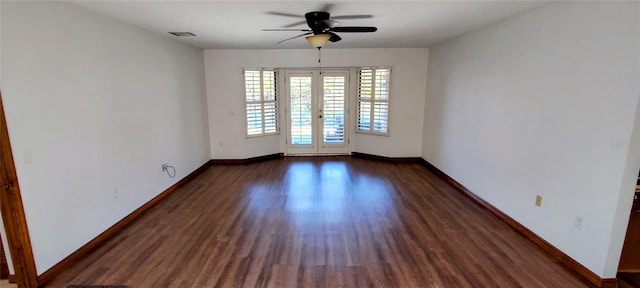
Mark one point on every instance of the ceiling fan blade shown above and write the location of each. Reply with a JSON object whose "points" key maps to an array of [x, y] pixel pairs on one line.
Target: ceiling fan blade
{"points": [[334, 37], [297, 36], [284, 14], [355, 29], [278, 29], [295, 24], [347, 17], [314, 18], [326, 24]]}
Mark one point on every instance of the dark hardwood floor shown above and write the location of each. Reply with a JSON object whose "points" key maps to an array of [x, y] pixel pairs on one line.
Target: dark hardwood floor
{"points": [[628, 280], [319, 222]]}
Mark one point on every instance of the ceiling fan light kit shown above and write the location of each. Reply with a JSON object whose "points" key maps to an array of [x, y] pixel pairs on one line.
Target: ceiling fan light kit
{"points": [[318, 40]]}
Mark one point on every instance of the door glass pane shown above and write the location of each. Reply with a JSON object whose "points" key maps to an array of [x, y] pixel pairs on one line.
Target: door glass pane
{"points": [[333, 109], [301, 130]]}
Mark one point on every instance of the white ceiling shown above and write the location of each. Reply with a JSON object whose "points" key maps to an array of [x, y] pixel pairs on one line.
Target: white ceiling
{"points": [[238, 24]]}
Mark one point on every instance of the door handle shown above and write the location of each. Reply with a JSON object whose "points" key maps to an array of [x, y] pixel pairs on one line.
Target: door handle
{"points": [[320, 116]]}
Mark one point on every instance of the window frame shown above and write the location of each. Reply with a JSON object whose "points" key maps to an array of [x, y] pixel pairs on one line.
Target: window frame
{"points": [[373, 101], [262, 102]]}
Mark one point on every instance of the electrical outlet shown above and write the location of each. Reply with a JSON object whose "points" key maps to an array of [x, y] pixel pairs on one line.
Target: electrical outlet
{"points": [[538, 200], [164, 167], [577, 223], [115, 193]]}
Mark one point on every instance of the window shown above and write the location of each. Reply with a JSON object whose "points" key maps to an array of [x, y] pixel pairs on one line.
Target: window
{"points": [[261, 104], [373, 100]]}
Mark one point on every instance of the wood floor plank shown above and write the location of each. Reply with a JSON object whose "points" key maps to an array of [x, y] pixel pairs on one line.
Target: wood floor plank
{"points": [[319, 222]]}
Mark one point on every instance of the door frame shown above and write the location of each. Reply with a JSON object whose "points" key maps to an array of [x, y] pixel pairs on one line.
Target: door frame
{"points": [[317, 98], [13, 216]]}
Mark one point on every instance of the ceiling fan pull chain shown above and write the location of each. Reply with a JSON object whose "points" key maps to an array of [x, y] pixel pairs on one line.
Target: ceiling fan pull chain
{"points": [[320, 59]]}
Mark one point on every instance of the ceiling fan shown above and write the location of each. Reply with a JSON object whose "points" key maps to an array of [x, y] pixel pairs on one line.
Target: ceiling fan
{"points": [[321, 28]]}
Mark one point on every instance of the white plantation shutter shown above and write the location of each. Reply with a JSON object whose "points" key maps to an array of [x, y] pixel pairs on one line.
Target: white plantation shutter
{"points": [[373, 100], [260, 99]]}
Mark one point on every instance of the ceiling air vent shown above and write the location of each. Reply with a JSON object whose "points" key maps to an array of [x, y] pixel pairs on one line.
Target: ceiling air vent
{"points": [[182, 34]]}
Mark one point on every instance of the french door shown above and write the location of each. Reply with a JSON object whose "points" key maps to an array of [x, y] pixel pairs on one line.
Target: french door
{"points": [[317, 112]]}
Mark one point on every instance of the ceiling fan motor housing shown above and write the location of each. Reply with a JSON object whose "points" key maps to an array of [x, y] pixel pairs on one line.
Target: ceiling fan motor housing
{"points": [[315, 19]]}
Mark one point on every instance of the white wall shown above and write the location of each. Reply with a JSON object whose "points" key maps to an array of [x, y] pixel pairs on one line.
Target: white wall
{"points": [[93, 105], [544, 103], [225, 94]]}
